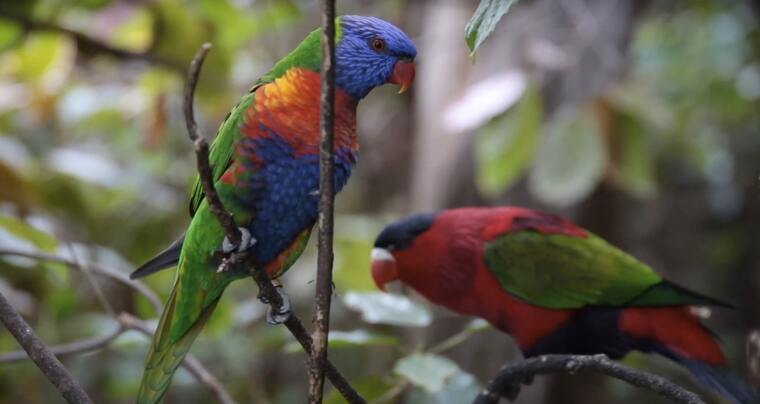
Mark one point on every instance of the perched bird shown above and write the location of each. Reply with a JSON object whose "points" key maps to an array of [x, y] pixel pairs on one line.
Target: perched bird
{"points": [[555, 287], [265, 165]]}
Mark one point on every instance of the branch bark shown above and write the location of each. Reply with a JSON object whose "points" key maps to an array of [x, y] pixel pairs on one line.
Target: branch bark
{"points": [[512, 373], [267, 290], [323, 293], [190, 363], [118, 276], [126, 322], [50, 366], [202, 149], [85, 42]]}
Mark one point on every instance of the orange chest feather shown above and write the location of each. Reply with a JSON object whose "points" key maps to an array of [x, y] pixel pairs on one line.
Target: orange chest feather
{"points": [[289, 108]]}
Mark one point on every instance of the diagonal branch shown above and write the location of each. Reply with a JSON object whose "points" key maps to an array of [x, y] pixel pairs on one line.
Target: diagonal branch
{"points": [[71, 348], [323, 292], [88, 43], [126, 322], [202, 149], [41, 355], [511, 374], [118, 276], [267, 290], [190, 363]]}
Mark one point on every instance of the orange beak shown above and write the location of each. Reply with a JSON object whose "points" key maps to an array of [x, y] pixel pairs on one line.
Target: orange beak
{"points": [[383, 267], [403, 75]]}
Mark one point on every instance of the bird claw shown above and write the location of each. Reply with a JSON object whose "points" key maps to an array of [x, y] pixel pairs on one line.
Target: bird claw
{"points": [[246, 242], [283, 314]]}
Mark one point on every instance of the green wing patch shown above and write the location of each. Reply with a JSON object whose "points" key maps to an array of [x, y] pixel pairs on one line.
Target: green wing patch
{"points": [[564, 272], [220, 153]]}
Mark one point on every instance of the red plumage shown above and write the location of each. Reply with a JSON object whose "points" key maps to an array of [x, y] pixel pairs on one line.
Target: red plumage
{"points": [[442, 256]]}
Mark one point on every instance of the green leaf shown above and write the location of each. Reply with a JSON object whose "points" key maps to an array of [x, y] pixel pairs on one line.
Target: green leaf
{"points": [[16, 234], [636, 169], [385, 308], [45, 60], [505, 147], [570, 162], [344, 339], [9, 33], [370, 388], [24, 231], [136, 33], [637, 98], [426, 370], [460, 388], [483, 22], [354, 239]]}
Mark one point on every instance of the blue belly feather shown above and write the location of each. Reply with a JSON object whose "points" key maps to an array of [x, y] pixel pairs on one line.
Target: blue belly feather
{"points": [[282, 192]]}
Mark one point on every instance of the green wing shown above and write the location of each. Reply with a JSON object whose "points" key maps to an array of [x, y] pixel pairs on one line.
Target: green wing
{"points": [[220, 153], [565, 272]]}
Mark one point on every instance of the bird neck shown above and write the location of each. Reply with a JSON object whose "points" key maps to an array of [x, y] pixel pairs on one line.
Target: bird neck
{"points": [[288, 107]]}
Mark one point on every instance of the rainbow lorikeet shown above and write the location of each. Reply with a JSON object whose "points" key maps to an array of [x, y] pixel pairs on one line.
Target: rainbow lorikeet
{"points": [[555, 287], [265, 164]]}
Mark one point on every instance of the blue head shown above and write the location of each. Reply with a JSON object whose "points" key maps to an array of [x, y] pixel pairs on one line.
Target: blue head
{"points": [[372, 52]]}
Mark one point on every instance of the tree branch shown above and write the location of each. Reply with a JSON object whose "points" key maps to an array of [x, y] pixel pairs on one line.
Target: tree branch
{"points": [[323, 293], [267, 290], [202, 149], [71, 348], [190, 363], [510, 376], [50, 366], [118, 276], [88, 43], [126, 322]]}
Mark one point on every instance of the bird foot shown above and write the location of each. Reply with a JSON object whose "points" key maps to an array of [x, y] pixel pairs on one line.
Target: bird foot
{"points": [[231, 251], [283, 313], [246, 242]]}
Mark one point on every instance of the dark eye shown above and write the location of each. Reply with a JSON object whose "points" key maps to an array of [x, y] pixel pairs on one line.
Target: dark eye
{"points": [[377, 44]]}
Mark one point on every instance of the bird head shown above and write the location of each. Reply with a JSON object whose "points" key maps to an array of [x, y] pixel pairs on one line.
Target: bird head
{"points": [[371, 52], [393, 240]]}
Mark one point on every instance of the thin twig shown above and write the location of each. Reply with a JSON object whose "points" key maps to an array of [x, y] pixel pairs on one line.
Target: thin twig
{"points": [[202, 149], [753, 357], [87, 43], [512, 373], [454, 340], [267, 290], [296, 327], [118, 276], [71, 348], [190, 363], [50, 366], [126, 322], [96, 289], [323, 292]]}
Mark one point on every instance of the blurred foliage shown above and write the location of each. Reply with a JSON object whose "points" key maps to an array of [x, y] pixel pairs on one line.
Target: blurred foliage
{"points": [[95, 165], [655, 118]]}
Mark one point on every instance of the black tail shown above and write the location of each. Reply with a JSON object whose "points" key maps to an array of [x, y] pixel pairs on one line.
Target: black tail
{"points": [[722, 380], [165, 259]]}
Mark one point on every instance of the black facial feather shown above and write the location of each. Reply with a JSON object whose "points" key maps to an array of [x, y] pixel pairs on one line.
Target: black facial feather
{"points": [[401, 233]]}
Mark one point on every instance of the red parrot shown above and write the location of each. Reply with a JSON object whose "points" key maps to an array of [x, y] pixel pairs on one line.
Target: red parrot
{"points": [[555, 287]]}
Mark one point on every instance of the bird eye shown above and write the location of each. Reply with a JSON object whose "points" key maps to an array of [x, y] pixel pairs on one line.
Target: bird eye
{"points": [[377, 44]]}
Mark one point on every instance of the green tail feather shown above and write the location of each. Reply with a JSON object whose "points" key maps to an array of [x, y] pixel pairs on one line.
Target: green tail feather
{"points": [[667, 293], [166, 355]]}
